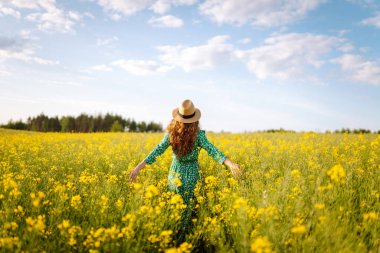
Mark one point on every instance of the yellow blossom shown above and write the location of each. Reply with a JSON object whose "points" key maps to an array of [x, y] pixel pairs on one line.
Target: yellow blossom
{"points": [[76, 201], [36, 224], [298, 229], [151, 191], [261, 245], [337, 174], [177, 181], [319, 206], [370, 216]]}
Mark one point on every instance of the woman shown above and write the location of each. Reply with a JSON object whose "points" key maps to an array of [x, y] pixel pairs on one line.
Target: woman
{"points": [[186, 139]]}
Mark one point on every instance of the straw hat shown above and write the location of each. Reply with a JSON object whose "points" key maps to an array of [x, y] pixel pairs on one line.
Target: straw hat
{"points": [[186, 112]]}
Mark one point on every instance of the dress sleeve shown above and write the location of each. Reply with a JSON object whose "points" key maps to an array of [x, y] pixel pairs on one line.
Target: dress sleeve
{"points": [[158, 150], [210, 148]]}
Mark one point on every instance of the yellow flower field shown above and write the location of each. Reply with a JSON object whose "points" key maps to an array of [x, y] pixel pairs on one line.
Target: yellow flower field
{"points": [[301, 192]]}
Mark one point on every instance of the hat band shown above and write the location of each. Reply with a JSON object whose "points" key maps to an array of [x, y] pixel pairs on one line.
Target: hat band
{"points": [[186, 116]]}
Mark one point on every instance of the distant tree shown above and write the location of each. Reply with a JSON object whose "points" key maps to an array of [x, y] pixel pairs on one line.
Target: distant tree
{"points": [[116, 127], [153, 127], [141, 126], [18, 125], [39, 123], [91, 124], [107, 122], [98, 123], [64, 121], [133, 126], [281, 130], [82, 123], [354, 131], [67, 124], [361, 131], [54, 124]]}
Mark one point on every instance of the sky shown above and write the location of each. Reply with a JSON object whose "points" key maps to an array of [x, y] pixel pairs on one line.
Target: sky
{"points": [[305, 65]]}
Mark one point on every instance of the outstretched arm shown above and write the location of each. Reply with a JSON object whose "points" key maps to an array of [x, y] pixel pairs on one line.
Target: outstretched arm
{"points": [[151, 158], [218, 155], [136, 171], [235, 168]]}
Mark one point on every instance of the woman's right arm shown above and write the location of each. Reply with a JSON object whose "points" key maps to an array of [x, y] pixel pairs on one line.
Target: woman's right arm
{"points": [[151, 158], [136, 171]]}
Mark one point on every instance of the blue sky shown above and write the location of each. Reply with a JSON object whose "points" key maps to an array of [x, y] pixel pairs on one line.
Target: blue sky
{"points": [[248, 65]]}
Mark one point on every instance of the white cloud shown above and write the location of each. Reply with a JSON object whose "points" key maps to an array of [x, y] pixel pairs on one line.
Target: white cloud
{"points": [[101, 68], [141, 67], [74, 15], [347, 47], [23, 4], [166, 21], [116, 9], [4, 11], [48, 16], [125, 7], [16, 49], [359, 69], [52, 21], [374, 21], [107, 41], [4, 71], [244, 41], [289, 55], [89, 15], [216, 52], [116, 16], [264, 13], [24, 55], [163, 6], [343, 32]]}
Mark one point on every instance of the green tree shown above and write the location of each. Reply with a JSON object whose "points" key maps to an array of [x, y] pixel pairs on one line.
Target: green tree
{"points": [[116, 127], [133, 126], [141, 126]]}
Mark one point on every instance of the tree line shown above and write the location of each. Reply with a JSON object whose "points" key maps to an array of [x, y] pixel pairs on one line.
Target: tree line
{"points": [[354, 131], [83, 123], [337, 131]]}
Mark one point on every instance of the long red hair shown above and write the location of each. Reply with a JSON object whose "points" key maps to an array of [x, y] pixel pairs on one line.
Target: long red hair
{"points": [[182, 136]]}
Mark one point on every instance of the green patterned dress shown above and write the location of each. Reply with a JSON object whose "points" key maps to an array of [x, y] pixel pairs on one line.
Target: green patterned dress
{"points": [[186, 169]]}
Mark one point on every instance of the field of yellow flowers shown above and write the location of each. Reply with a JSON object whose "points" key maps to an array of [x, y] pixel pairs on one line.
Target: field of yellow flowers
{"points": [[301, 192]]}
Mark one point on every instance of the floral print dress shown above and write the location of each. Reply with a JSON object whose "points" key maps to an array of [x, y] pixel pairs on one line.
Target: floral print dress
{"points": [[186, 169]]}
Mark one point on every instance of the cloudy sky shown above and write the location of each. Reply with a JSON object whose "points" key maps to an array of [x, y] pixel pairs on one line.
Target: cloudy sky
{"points": [[248, 65]]}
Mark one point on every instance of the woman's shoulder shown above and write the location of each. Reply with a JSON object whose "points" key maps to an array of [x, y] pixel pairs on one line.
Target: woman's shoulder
{"points": [[201, 133]]}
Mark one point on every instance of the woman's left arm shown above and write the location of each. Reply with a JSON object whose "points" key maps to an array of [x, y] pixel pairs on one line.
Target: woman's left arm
{"points": [[218, 155]]}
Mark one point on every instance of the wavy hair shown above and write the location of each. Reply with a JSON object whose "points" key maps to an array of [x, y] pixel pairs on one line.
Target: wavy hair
{"points": [[182, 136]]}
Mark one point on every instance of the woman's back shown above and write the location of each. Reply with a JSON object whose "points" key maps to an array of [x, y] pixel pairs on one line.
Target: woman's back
{"points": [[201, 141]]}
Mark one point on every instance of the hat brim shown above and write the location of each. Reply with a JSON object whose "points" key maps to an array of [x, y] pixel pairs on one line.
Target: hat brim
{"points": [[195, 118]]}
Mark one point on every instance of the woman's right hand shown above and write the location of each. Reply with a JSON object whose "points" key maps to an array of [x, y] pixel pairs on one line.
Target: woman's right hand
{"points": [[133, 174], [235, 168]]}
